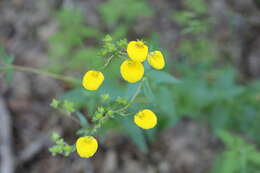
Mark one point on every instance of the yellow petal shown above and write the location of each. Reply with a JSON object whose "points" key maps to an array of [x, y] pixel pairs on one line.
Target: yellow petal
{"points": [[145, 119], [156, 60], [132, 71], [92, 80], [86, 146], [137, 51]]}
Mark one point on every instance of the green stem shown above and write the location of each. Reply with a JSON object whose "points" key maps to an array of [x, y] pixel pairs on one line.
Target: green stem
{"points": [[120, 110], [138, 90], [108, 62], [100, 123], [45, 73]]}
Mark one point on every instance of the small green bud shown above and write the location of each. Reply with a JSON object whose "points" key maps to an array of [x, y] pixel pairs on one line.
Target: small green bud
{"points": [[60, 142], [68, 150], [68, 106], [101, 110], [55, 103], [110, 113], [122, 100], [105, 97], [97, 116], [55, 136], [107, 38], [111, 47], [122, 43]]}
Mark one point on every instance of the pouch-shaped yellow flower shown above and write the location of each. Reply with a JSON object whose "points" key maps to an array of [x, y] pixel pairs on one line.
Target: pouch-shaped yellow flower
{"points": [[145, 119], [92, 80], [156, 60], [86, 146], [137, 51], [132, 71]]}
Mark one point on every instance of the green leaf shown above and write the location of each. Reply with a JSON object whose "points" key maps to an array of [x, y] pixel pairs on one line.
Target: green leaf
{"points": [[78, 95], [162, 77], [8, 59], [199, 6], [148, 91], [83, 120], [134, 132]]}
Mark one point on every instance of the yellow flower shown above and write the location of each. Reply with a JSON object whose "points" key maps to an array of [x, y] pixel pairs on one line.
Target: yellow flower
{"points": [[132, 71], [145, 119], [92, 80], [86, 146], [137, 51], [156, 60]]}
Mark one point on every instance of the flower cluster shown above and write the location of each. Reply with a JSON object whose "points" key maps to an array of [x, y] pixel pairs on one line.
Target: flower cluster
{"points": [[132, 71]]}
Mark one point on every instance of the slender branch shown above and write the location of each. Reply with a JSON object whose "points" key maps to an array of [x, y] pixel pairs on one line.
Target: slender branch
{"points": [[108, 62], [98, 125], [132, 98], [45, 73], [120, 110]]}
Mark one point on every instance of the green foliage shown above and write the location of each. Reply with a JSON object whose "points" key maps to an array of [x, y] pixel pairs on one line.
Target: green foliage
{"points": [[209, 90], [198, 6], [215, 97], [60, 147], [64, 106], [194, 19], [135, 133], [210, 93], [200, 51], [239, 157], [119, 17], [67, 46], [113, 11]]}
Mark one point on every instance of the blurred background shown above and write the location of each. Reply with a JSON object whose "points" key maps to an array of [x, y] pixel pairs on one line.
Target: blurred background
{"points": [[209, 121]]}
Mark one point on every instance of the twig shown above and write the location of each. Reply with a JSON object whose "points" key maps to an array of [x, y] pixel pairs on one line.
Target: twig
{"points": [[45, 73], [120, 110], [6, 152], [133, 97], [108, 62]]}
